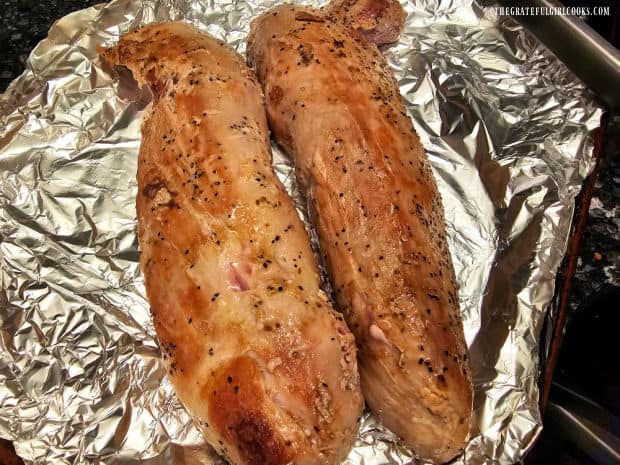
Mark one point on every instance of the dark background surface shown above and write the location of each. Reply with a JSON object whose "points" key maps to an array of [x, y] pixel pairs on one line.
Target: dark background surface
{"points": [[23, 23], [588, 361]]}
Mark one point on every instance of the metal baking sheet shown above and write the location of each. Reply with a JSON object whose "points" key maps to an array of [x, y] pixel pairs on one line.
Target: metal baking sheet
{"points": [[508, 130]]}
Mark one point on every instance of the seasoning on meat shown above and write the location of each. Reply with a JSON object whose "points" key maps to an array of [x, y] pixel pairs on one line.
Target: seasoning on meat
{"points": [[254, 350], [376, 208]]}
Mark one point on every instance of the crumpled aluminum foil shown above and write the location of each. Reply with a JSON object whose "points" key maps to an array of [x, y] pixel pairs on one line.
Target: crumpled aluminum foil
{"points": [[507, 127]]}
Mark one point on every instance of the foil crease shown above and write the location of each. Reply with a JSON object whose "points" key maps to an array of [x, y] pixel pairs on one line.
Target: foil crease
{"points": [[508, 130]]}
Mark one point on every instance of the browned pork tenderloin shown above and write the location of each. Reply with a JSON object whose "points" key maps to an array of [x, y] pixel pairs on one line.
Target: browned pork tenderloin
{"points": [[255, 352], [333, 104]]}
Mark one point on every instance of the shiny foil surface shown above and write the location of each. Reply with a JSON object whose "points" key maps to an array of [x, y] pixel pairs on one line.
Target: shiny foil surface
{"points": [[508, 130]]}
